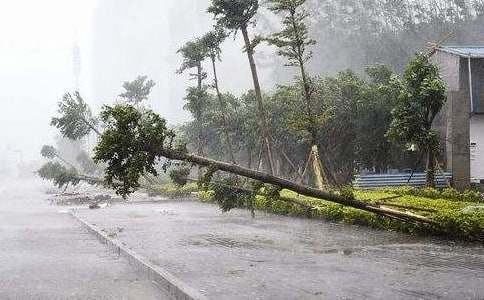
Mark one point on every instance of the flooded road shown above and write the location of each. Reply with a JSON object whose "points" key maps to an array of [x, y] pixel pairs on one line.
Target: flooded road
{"points": [[232, 256]]}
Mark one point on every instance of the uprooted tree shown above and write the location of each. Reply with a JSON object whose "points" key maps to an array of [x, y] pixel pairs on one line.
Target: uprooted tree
{"points": [[134, 142]]}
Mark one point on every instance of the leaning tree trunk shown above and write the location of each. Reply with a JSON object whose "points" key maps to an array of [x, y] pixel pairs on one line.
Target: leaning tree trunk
{"points": [[260, 105], [317, 166], [199, 109], [293, 186], [224, 113]]}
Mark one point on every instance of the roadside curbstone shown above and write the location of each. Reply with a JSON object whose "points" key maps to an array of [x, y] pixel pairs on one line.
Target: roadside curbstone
{"points": [[163, 279]]}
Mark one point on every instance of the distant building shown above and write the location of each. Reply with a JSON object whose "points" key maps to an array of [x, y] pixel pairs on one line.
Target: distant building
{"points": [[462, 120], [76, 65]]}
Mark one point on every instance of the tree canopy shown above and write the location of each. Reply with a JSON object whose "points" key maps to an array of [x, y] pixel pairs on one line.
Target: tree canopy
{"points": [[138, 90], [75, 119]]}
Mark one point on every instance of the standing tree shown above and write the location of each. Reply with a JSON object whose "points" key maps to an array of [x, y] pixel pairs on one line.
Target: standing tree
{"points": [[212, 42], [76, 119], [235, 15], [293, 42], [138, 90], [421, 99], [194, 53]]}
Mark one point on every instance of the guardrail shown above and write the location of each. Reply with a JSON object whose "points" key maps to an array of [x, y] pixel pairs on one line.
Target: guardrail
{"points": [[375, 181]]}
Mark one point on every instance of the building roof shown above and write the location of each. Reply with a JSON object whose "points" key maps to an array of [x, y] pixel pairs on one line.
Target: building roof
{"points": [[463, 51]]}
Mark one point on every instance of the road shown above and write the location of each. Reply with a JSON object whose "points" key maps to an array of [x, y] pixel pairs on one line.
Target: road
{"points": [[46, 254], [232, 256]]}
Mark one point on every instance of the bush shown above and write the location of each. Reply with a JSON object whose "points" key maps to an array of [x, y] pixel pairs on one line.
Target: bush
{"points": [[447, 193]]}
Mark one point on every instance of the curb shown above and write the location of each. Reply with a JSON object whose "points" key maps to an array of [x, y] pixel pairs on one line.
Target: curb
{"points": [[173, 286]]}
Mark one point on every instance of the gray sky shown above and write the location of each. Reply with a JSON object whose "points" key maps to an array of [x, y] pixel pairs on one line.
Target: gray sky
{"points": [[35, 68], [119, 40]]}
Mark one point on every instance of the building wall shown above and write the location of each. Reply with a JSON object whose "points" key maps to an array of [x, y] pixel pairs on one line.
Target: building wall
{"points": [[454, 121], [477, 148]]}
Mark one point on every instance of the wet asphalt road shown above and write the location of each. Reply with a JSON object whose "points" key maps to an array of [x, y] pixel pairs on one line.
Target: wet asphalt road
{"points": [[232, 256], [46, 254]]}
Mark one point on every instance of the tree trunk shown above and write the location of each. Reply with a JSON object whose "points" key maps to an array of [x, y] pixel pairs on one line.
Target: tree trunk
{"points": [[224, 113], [93, 128], [290, 185], [199, 109], [260, 105], [65, 161], [430, 168], [317, 165]]}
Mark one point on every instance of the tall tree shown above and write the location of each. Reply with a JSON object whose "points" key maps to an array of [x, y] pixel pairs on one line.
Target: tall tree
{"points": [[421, 99], [293, 42], [137, 91], [212, 42], [194, 53], [235, 15]]}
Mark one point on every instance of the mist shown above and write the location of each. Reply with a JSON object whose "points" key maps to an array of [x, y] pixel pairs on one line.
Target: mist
{"points": [[94, 46]]}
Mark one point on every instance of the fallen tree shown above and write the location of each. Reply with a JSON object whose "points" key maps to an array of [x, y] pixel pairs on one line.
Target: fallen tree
{"points": [[62, 177], [133, 142]]}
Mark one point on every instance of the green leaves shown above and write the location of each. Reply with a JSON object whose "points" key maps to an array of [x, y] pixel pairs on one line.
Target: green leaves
{"points": [[193, 53], [75, 119], [293, 40], [179, 176], [420, 100], [212, 42], [48, 151], [233, 14], [60, 175], [131, 145], [138, 90]]}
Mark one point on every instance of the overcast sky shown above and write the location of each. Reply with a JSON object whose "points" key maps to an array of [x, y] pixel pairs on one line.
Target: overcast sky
{"points": [[118, 39], [36, 39]]}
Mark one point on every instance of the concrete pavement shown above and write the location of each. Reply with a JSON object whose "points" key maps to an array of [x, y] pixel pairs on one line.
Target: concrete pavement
{"points": [[46, 254]]}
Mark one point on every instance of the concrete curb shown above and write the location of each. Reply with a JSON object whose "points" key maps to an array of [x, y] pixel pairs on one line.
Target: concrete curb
{"points": [[166, 281]]}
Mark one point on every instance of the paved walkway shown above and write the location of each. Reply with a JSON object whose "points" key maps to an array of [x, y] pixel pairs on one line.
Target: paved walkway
{"points": [[46, 254], [231, 256]]}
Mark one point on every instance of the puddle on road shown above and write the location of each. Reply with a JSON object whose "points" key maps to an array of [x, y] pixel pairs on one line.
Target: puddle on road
{"points": [[210, 240]]}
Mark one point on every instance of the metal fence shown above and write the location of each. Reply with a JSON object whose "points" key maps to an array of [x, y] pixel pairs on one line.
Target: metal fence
{"points": [[397, 180]]}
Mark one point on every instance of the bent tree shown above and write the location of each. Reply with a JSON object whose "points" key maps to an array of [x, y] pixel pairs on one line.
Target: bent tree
{"points": [[133, 142], [212, 42], [293, 42], [194, 53], [75, 119], [421, 99], [235, 15]]}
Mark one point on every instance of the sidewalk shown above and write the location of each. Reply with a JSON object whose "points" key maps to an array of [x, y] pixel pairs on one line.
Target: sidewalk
{"points": [[46, 254]]}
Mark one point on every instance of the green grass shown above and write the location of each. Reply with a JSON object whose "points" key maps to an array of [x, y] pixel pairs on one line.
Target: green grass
{"points": [[448, 205]]}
